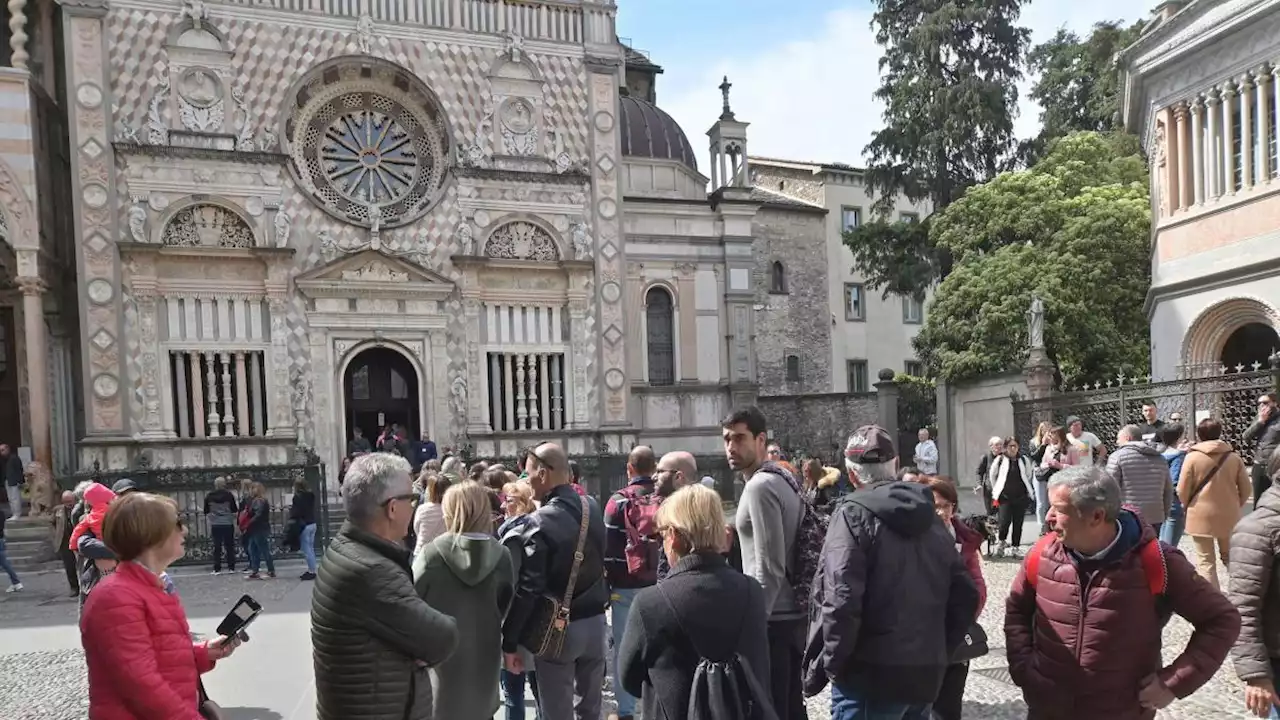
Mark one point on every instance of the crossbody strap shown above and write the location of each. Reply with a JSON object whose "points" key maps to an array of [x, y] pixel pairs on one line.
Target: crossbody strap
{"points": [[578, 554], [1203, 484]]}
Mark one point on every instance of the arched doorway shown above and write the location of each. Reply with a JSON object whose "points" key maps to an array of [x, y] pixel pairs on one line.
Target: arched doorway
{"points": [[380, 388], [1250, 343]]}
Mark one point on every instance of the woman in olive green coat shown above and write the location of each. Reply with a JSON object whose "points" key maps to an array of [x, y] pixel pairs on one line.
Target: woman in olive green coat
{"points": [[467, 574]]}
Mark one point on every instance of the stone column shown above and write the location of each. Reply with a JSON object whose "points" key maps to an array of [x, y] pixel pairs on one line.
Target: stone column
{"points": [[18, 36], [1246, 134], [1261, 81], [37, 346], [887, 393], [579, 417], [153, 420], [475, 417], [1228, 145], [278, 387], [1213, 149], [1197, 150], [1183, 155]]}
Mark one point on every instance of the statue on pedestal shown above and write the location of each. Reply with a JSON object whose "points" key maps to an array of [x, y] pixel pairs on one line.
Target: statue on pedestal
{"points": [[1035, 323]]}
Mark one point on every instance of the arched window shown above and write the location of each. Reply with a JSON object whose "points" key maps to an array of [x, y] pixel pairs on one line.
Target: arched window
{"points": [[660, 327], [777, 278]]}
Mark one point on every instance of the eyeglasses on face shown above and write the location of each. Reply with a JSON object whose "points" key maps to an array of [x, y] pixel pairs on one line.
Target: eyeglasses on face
{"points": [[405, 497]]}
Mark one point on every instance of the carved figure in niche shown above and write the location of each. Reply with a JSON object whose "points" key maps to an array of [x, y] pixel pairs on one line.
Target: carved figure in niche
{"points": [[283, 225], [1035, 323], [581, 248], [41, 489], [514, 46], [200, 87], [364, 33], [458, 392], [1160, 141], [268, 142], [375, 218], [466, 238], [518, 137], [138, 221], [327, 246], [244, 138]]}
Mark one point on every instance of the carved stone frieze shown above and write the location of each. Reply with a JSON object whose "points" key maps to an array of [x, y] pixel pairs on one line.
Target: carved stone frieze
{"points": [[521, 240]]}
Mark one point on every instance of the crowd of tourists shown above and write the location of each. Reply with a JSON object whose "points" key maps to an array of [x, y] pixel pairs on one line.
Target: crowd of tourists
{"points": [[446, 593]]}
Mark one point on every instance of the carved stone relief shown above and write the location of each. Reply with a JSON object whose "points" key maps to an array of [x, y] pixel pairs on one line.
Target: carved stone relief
{"points": [[207, 226], [521, 240], [201, 105], [609, 258], [375, 272]]}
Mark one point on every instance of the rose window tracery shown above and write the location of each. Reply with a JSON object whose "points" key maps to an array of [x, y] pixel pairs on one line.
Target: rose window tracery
{"points": [[522, 241], [368, 134]]}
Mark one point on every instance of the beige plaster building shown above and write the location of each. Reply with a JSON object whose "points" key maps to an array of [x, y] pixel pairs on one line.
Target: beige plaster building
{"points": [[237, 228], [869, 331], [1200, 89]]}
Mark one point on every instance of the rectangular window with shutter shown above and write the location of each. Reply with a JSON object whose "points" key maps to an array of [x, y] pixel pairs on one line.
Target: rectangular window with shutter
{"points": [[857, 371]]}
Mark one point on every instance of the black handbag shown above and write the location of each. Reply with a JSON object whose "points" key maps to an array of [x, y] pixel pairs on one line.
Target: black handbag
{"points": [[973, 646], [544, 633]]}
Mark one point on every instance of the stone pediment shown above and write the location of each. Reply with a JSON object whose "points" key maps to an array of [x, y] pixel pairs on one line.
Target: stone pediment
{"points": [[372, 273]]}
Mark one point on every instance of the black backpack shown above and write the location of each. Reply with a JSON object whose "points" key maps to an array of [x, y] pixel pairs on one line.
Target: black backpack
{"points": [[811, 534], [724, 690]]}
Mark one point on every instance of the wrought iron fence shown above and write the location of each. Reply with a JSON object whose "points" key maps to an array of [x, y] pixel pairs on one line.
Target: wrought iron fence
{"points": [[1229, 398], [604, 474], [188, 487]]}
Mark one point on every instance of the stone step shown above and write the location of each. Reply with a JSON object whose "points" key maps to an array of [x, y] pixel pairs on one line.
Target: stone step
{"points": [[31, 565]]}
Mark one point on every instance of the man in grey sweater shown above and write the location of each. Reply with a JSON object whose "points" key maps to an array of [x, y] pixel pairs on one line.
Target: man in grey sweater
{"points": [[768, 519], [1143, 476]]}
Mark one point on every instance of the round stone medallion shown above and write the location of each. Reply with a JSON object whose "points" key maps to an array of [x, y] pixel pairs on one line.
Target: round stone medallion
{"points": [[482, 218], [106, 386], [89, 96], [95, 196], [254, 206], [608, 208], [604, 121], [610, 291], [100, 292], [614, 379], [158, 201]]}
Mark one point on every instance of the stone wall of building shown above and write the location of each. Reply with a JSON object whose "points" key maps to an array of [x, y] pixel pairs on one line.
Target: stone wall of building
{"points": [[796, 322], [817, 425], [796, 183]]}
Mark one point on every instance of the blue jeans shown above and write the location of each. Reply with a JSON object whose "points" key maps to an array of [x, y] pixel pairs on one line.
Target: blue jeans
{"points": [[1042, 502], [1172, 529], [513, 692], [308, 540], [621, 602], [8, 568], [846, 705], [259, 550]]}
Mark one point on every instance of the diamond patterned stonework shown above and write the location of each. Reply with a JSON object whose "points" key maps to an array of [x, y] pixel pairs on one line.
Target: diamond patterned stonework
{"points": [[612, 335], [103, 340]]}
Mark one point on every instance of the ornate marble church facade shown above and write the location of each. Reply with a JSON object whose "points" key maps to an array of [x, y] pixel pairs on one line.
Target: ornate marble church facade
{"points": [[272, 222]]}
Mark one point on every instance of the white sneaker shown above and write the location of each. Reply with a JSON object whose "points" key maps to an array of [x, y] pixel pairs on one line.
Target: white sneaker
{"points": [[1015, 552], [216, 572], [14, 588], [1000, 548]]}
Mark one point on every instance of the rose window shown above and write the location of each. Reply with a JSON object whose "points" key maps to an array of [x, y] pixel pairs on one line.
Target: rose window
{"points": [[368, 136]]}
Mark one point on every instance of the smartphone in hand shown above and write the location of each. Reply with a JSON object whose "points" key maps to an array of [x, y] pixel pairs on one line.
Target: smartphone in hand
{"points": [[246, 610]]}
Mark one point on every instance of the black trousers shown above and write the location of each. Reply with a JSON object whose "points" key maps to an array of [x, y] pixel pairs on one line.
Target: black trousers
{"points": [[1012, 513], [950, 702], [68, 559], [224, 540], [1260, 481], [786, 657]]}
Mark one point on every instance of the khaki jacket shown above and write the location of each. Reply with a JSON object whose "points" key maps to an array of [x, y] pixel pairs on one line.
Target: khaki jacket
{"points": [[1216, 509]]}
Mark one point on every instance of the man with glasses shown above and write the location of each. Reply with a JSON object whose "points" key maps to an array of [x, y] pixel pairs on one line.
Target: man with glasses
{"points": [[1266, 431], [373, 637], [544, 555], [675, 470]]}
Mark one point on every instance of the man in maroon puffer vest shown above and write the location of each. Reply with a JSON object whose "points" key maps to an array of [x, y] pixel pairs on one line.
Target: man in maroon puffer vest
{"points": [[1083, 632]]}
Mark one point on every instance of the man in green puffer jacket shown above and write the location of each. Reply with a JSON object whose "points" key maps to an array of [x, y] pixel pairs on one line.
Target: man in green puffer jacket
{"points": [[373, 638]]}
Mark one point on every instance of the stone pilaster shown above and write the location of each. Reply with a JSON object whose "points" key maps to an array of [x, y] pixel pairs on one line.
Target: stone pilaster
{"points": [[37, 350], [437, 374], [580, 417], [93, 172], [611, 324], [887, 393], [476, 419]]}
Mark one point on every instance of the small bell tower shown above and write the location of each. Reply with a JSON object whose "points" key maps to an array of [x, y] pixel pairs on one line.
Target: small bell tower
{"points": [[729, 165]]}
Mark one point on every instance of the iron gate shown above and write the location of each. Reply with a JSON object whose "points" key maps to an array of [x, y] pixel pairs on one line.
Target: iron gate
{"points": [[188, 487], [1229, 398]]}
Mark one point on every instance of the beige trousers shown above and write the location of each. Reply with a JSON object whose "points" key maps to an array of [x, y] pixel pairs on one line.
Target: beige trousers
{"points": [[1206, 561]]}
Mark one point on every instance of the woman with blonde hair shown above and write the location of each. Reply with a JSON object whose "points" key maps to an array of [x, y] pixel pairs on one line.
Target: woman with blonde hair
{"points": [[467, 574], [141, 659], [428, 519], [702, 610]]}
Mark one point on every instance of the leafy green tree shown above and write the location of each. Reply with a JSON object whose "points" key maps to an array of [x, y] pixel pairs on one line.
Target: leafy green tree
{"points": [[949, 73], [917, 403], [1074, 229], [1077, 83]]}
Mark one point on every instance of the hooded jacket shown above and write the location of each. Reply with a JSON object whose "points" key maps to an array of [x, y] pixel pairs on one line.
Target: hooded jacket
{"points": [[468, 577], [1216, 508], [1143, 476], [893, 598], [1081, 641]]}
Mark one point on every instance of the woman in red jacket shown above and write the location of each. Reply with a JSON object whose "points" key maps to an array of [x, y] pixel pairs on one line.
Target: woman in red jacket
{"points": [[142, 662], [946, 501]]}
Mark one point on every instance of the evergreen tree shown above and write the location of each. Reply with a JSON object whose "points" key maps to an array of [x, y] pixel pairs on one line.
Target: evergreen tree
{"points": [[949, 73]]}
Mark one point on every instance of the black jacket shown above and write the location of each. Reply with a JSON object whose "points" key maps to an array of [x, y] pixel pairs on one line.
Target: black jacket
{"points": [[369, 629], [259, 516], [547, 544], [893, 598], [1268, 436], [304, 508], [13, 470], [708, 606]]}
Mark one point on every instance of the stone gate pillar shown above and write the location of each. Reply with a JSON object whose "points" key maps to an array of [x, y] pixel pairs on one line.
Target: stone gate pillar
{"points": [[887, 393]]}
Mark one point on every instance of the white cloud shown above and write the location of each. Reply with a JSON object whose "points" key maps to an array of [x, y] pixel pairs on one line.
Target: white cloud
{"points": [[812, 98]]}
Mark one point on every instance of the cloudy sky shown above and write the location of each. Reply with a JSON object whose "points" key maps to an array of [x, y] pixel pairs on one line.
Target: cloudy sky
{"points": [[803, 71]]}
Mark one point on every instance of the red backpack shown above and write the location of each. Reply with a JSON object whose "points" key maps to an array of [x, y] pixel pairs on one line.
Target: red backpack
{"points": [[640, 520], [1151, 554]]}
